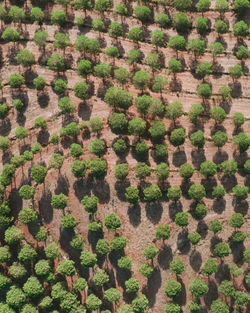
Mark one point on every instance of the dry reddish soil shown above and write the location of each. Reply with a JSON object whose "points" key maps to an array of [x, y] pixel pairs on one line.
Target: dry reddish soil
{"points": [[138, 222]]}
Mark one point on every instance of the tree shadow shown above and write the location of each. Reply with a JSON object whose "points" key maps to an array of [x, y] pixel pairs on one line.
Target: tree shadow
{"points": [[134, 214], [219, 205], [223, 272], [212, 293], [202, 229], [220, 156], [228, 182], [209, 184], [120, 187], [62, 185], [165, 256], [213, 242], [198, 156], [183, 243], [15, 202], [175, 85], [101, 190], [43, 99], [185, 185], [82, 187], [84, 110], [5, 127], [179, 157], [174, 208], [236, 89], [45, 207], [153, 285], [43, 137], [237, 251], [181, 299], [154, 211], [195, 260]]}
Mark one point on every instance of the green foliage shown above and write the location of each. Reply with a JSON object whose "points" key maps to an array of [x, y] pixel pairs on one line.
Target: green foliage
{"points": [[27, 253], [177, 266], [194, 238], [198, 288], [247, 166], [132, 285], [71, 130], [215, 48], [100, 278], [102, 5], [121, 9], [56, 62], [58, 17], [17, 270], [18, 104], [133, 56], [157, 38], [218, 192], [36, 15], [68, 221], [118, 98], [181, 5], [221, 27], [198, 139], [38, 173], [60, 87], [204, 91], [10, 34], [215, 226], [66, 268], [177, 137], [40, 38], [146, 269], [4, 143], [27, 216], [236, 220], [97, 147], [203, 69], [152, 193], [125, 262], [112, 221], [177, 43], [121, 75], [222, 249], [112, 295], [171, 307], [186, 170], [174, 110], [221, 6], [77, 242], [174, 193], [97, 167], [162, 171], [25, 58], [121, 171], [59, 201], [56, 161], [13, 235], [240, 192], [172, 288], [181, 219], [203, 5], [81, 90], [150, 251], [161, 151], [229, 167], [242, 53], [162, 19], [118, 243], [157, 130], [132, 194], [137, 126], [240, 29], [42, 268], [80, 284], [208, 168], [153, 61], [200, 210], [92, 302], [219, 306], [196, 46], [15, 297], [201, 24], [142, 13], [143, 103], [242, 140], [16, 80], [220, 138], [235, 71], [140, 303], [141, 79], [218, 114], [40, 122], [120, 146], [45, 303], [210, 266], [125, 308], [4, 282], [61, 40], [5, 254], [41, 234], [16, 14], [174, 66], [115, 30], [36, 148], [197, 192], [240, 6], [102, 247], [52, 251], [142, 170], [195, 111]]}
